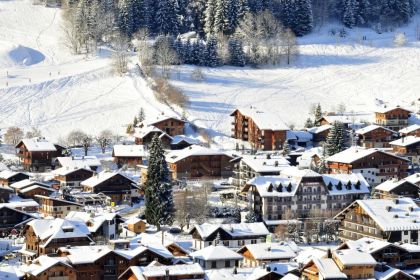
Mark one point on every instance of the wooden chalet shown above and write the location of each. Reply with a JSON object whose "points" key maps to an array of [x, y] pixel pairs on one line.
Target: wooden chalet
{"points": [[34, 191], [173, 272], [38, 154], [180, 142], [394, 118], [412, 130], [407, 147], [394, 189], [136, 225], [199, 162], [49, 268], [57, 208], [375, 165], [144, 135], [130, 155], [375, 136], [263, 130], [319, 133], [74, 163], [256, 255], [170, 125], [9, 177], [72, 177], [112, 184], [13, 219]]}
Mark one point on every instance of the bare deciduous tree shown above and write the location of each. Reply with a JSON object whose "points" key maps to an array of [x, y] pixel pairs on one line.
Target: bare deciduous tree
{"points": [[34, 132], [290, 46], [120, 56], [13, 135], [104, 139], [166, 56], [86, 143], [75, 138]]}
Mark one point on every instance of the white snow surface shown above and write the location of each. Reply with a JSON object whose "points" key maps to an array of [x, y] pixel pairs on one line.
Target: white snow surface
{"points": [[42, 84]]}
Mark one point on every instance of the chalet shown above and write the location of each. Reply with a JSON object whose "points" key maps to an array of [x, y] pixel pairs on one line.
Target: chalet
{"points": [[45, 236], [29, 189], [297, 192], [319, 133], [13, 219], [412, 130], [355, 264], [375, 165], [247, 167], [57, 208], [216, 257], [198, 162], [72, 177], [178, 248], [8, 177], [130, 155], [38, 154], [230, 235], [350, 121], [394, 188], [384, 219], [25, 205], [170, 125], [144, 135], [136, 225], [264, 253], [102, 226], [375, 136], [385, 272], [322, 268], [180, 142], [73, 163], [407, 147], [395, 118], [263, 130], [47, 268], [5, 193], [299, 138], [113, 184], [415, 179], [173, 272]]}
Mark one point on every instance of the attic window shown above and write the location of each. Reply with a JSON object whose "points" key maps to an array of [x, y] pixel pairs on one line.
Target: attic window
{"points": [[329, 186], [348, 186], [339, 186], [270, 188], [280, 188], [357, 185], [289, 187], [68, 229]]}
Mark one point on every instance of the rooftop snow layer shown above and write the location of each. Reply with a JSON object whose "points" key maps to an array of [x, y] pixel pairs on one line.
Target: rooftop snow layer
{"points": [[265, 120]]}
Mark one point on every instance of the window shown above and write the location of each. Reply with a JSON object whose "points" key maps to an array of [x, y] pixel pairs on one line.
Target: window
{"points": [[213, 264], [227, 263], [226, 243]]}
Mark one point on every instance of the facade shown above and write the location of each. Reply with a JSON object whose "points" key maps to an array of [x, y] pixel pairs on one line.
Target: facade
{"points": [[263, 130], [394, 189], [57, 208], [199, 162], [298, 192], [136, 225], [247, 167], [113, 184], [412, 130], [9, 177], [38, 154], [170, 125], [394, 118], [375, 136], [230, 235], [5, 193], [130, 155], [13, 219], [320, 133], [407, 147], [173, 272], [72, 177], [49, 268], [216, 257], [392, 220], [375, 165], [35, 190], [144, 135], [102, 226]]}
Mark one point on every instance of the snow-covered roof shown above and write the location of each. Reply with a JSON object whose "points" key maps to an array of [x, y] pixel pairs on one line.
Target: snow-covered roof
{"points": [[85, 254], [140, 132], [265, 120], [271, 251], [415, 178], [351, 257], [390, 273], [405, 141], [391, 215], [137, 249], [26, 183], [213, 253], [79, 162], [353, 154], [263, 163], [236, 230], [20, 204], [275, 186], [43, 263], [409, 129], [319, 129], [301, 136], [328, 269], [367, 245], [161, 118], [180, 138], [63, 171], [7, 174], [11, 272], [50, 229], [129, 151], [354, 179], [386, 109], [346, 119], [34, 187], [194, 150], [102, 177], [370, 128], [391, 184], [95, 219], [161, 270], [38, 144]]}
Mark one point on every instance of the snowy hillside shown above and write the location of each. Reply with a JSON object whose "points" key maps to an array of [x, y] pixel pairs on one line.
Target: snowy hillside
{"points": [[43, 85]]}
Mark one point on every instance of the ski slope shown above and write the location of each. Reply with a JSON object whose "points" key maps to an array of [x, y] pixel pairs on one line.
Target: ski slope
{"points": [[43, 85]]}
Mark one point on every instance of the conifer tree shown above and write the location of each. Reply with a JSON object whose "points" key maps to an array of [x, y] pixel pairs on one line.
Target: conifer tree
{"points": [[336, 139], [349, 13], [303, 18], [158, 193], [236, 52], [212, 57], [286, 148], [125, 17], [166, 17], [210, 16], [317, 113], [309, 123], [148, 12]]}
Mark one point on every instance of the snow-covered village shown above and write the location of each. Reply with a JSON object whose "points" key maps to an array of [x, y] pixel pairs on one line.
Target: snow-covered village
{"points": [[209, 139]]}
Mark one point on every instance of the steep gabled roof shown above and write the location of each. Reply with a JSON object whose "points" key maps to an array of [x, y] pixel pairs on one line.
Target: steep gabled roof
{"points": [[214, 253], [354, 154], [265, 120], [372, 127], [37, 144]]}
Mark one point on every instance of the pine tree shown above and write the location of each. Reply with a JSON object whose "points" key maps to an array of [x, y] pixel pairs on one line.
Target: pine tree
{"points": [[251, 217], [303, 19], [148, 12], [210, 16], [142, 116], [286, 148], [309, 123], [212, 57], [317, 113], [236, 52], [158, 193], [125, 17], [349, 13], [166, 18], [336, 139]]}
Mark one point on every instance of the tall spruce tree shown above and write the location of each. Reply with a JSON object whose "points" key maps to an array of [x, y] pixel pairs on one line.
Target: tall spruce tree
{"points": [[336, 139], [125, 17], [166, 17], [158, 194], [148, 12], [303, 19], [209, 16], [236, 52], [212, 56], [349, 13]]}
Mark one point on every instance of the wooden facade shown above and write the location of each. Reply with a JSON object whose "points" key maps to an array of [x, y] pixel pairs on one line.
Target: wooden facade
{"points": [[405, 189], [376, 138], [171, 126], [12, 219], [59, 271], [409, 151], [137, 226], [73, 178], [57, 208], [18, 176], [394, 118], [33, 191], [147, 139], [37, 160], [245, 129]]}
